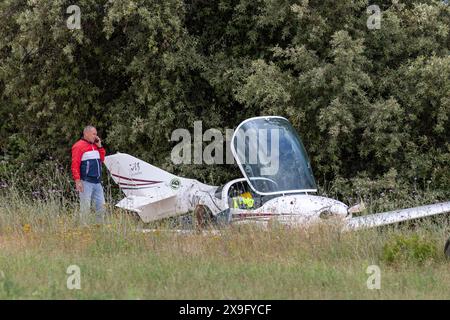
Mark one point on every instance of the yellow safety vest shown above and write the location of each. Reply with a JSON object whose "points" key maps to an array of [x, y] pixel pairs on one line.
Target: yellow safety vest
{"points": [[247, 203]]}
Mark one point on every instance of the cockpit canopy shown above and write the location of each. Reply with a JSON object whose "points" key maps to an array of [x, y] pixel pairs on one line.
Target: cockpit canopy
{"points": [[272, 157]]}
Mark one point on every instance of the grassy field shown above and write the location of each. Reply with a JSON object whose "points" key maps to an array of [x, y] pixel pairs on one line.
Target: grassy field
{"points": [[39, 240]]}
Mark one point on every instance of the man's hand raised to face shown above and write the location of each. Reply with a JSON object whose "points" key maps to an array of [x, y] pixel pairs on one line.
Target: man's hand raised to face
{"points": [[98, 142]]}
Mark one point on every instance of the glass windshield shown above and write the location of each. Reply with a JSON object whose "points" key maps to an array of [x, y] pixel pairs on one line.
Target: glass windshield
{"points": [[272, 157]]}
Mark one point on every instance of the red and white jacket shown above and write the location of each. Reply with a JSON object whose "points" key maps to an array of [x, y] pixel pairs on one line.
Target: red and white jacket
{"points": [[87, 161]]}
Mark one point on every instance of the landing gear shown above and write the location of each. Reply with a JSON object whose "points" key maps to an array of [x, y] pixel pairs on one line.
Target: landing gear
{"points": [[203, 217]]}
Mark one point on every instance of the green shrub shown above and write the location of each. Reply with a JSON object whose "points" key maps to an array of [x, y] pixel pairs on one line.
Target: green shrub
{"points": [[409, 249]]}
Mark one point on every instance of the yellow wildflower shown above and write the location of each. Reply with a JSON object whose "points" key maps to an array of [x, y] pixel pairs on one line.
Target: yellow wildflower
{"points": [[26, 228]]}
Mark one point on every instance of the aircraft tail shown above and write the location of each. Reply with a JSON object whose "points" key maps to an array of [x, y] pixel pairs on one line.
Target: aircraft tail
{"points": [[136, 177], [151, 192]]}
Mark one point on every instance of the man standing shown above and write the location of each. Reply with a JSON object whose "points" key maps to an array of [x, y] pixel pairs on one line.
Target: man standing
{"points": [[88, 155]]}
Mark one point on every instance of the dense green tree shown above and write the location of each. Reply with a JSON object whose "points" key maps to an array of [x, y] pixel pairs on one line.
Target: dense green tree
{"points": [[369, 103]]}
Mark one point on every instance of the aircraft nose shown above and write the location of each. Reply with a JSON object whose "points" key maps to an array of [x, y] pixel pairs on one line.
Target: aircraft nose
{"points": [[339, 209], [335, 210]]}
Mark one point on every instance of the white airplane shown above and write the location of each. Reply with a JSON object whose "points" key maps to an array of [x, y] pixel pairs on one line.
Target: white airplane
{"points": [[276, 186]]}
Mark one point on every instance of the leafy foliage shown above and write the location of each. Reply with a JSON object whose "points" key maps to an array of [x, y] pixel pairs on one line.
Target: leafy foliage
{"points": [[410, 249], [368, 103]]}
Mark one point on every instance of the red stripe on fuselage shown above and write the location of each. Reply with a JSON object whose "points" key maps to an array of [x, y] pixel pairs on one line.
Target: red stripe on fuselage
{"points": [[259, 215], [132, 179], [138, 184], [255, 215]]}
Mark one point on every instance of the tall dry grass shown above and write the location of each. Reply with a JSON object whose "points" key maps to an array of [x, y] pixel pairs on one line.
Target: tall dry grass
{"points": [[40, 236]]}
